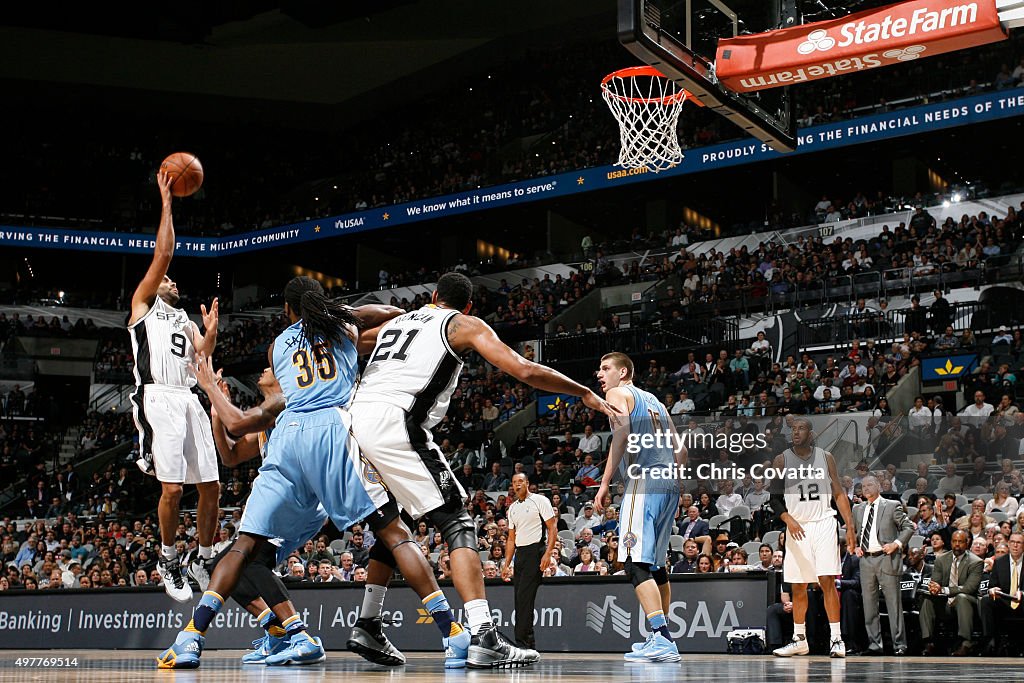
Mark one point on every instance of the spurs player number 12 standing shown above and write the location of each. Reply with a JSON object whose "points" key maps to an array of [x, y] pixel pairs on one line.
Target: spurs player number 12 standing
{"points": [[175, 441], [812, 548]]}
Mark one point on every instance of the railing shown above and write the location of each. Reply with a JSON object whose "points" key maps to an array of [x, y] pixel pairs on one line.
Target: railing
{"points": [[684, 335], [886, 443], [842, 329]]}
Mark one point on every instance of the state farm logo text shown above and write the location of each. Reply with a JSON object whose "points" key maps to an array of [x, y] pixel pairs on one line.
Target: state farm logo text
{"points": [[891, 27]]}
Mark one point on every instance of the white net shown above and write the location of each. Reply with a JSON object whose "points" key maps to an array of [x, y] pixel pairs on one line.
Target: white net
{"points": [[646, 104]]}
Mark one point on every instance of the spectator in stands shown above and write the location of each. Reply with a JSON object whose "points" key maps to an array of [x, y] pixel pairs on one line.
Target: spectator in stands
{"points": [[688, 563], [587, 521], [559, 477], [496, 480], [952, 482], [978, 478], [1002, 336], [727, 500], [974, 415], [1002, 501], [590, 443], [927, 523]]}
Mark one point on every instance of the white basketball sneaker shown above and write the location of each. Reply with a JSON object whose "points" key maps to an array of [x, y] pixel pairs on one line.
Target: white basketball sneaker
{"points": [[797, 646], [838, 649]]}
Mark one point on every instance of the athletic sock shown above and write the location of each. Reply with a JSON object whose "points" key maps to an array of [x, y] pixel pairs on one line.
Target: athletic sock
{"points": [[659, 624], [293, 625], [478, 613], [800, 631], [437, 605], [837, 631], [205, 611], [168, 552], [271, 624], [373, 601], [205, 552]]}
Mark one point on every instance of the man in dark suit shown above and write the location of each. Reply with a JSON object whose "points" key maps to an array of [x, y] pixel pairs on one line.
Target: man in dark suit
{"points": [[883, 530], [1004, 598], [696, 528], [956, 577], [851, 614]]}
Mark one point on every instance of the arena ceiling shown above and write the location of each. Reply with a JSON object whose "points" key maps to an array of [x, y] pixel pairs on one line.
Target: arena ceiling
{"points": [[302, 52]]}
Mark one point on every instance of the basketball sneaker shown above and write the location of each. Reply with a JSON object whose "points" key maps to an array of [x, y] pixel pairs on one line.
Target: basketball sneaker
{"points": [[491, 650], [797, 646], [456, 649], [302, 649], [369, 642], [838, 649], [658, 649], [174, 579], [636, 647], [199, 570], [263, 648], [185, 652]]}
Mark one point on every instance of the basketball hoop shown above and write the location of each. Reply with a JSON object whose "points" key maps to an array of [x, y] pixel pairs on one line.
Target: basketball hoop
{"points": [[646, 104]]}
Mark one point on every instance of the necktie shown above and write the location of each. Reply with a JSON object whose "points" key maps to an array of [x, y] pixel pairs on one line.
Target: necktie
{"points": [[1014, 582], [865, 537], [954, 576]]}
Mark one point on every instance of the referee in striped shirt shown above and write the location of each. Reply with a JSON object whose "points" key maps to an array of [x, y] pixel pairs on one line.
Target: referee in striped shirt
{"points": [[528, 515]]}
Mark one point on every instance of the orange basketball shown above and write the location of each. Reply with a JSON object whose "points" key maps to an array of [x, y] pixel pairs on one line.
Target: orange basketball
{"points": [[186, 172]]}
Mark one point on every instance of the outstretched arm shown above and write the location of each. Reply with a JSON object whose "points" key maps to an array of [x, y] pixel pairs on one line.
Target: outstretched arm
{"points": [[206, 343], [144, 294], [233, 418], [375, 315], [468, 332]]}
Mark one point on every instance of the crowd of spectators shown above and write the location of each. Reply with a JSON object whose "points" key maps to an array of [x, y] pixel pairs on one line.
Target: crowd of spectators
{"points": [[420, 156]]}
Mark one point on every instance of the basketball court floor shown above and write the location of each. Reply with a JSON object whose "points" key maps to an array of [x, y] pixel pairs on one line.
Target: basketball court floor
{"points": [[223, 667]]}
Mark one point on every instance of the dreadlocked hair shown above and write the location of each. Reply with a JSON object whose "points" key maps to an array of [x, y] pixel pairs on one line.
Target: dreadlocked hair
{"points": [[323, 319]]}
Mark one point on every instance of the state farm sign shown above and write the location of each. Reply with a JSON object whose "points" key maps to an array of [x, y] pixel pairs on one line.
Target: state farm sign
{"points": [[866, 40]]}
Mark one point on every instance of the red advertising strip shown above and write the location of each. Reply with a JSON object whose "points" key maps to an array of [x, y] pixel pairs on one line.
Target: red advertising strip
{"points": [[865, 40]]}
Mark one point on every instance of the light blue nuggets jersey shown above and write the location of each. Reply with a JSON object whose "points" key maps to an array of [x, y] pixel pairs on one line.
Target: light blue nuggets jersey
{"points": [[311, 381], [649, 416]]}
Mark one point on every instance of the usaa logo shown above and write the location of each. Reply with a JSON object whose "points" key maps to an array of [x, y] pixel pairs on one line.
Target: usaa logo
{"points": [[949, 370], [346, 223]]}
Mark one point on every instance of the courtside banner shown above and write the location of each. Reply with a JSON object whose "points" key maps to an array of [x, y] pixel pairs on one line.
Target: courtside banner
{"points": [[865, 40], [571, 615]]}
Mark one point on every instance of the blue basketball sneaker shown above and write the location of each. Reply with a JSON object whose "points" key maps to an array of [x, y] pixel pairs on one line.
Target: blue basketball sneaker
{"points": [[658, 649], [456, 649], [185, 652], [636, 647], [302, 649], [263, 648]]}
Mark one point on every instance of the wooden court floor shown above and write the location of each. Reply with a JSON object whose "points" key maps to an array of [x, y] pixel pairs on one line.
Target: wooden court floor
{"points": [[223, 666]]}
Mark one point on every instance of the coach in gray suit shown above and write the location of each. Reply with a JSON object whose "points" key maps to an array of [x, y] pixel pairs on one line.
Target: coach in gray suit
{"points": [[883, 530]]}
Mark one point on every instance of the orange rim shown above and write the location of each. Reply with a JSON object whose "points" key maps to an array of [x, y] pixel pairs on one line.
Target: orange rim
{"points": [[651, 72]]}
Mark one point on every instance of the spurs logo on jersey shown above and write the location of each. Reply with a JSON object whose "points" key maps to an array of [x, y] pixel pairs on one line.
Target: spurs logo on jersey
{"points": [[809, 499], [162, 344], [413, 366]]}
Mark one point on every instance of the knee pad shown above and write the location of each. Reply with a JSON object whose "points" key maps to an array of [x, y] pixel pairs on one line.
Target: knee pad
{"points": [[245, 590], [380, 552], [384, 515], [660, 576], [267, 584], [638, 572], [456, 526]]}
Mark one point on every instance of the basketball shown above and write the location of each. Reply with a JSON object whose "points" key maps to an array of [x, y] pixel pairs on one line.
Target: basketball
{"points": [[186, 171]]}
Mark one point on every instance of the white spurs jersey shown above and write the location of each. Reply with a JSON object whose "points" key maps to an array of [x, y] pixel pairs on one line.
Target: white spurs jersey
{"points": [[413, 366], [808, 499], [162, 344]]}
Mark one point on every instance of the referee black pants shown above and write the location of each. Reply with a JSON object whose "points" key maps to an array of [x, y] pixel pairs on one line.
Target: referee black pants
{"points": [[526, 581]]}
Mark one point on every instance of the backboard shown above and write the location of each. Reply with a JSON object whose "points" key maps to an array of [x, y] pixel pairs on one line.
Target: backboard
{"points": [[679, 38]]}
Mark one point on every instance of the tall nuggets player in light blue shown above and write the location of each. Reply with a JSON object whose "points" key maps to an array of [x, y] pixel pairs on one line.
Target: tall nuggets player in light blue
{"points": [[312, 460], [650, 500]]}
